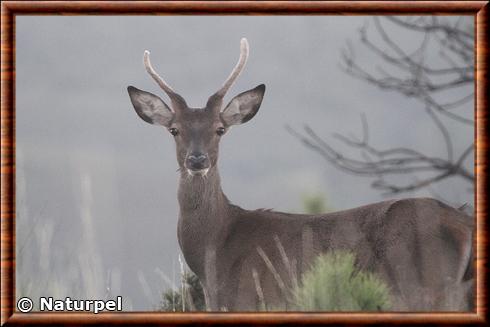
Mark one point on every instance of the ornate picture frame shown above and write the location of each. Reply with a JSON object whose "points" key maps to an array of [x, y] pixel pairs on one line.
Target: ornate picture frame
{"points": [[12, 9]]}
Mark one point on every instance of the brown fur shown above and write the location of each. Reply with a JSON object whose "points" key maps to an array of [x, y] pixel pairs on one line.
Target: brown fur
{"points": [[420, 247]]}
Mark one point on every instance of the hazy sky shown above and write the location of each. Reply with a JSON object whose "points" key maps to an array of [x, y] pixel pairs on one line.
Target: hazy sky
{"points": [[96, 186]]}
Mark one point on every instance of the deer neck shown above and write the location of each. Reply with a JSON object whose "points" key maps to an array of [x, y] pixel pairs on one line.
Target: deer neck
{"points": [[201, 200], [203, 221]]}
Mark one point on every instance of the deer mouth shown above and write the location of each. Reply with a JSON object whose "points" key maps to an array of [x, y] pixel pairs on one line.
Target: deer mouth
{"points": [[198, 172]]}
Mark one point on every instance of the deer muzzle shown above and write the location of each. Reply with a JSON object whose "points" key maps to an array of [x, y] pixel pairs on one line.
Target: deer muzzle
{"points": [[197, 162]]}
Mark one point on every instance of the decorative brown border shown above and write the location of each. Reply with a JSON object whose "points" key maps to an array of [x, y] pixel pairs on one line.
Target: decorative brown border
{"points": [[10, 9]]}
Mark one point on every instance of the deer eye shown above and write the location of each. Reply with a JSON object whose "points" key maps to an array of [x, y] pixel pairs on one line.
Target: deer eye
{"points": [[220, 131], [174, 131]]}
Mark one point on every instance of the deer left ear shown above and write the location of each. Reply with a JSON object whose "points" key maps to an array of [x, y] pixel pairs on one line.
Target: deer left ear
{"points": [[243, 107]]}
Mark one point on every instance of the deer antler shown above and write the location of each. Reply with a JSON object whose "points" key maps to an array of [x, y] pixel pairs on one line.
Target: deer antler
{"points": [[237, 70], [175, 97], [160, 81]]}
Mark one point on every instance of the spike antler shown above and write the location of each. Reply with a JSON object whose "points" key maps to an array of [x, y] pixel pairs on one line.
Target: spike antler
{"points": [[218, 96], [160, 81], [237, 70]]}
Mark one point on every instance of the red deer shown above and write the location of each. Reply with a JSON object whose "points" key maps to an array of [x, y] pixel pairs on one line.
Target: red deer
{"points": [[420, 247]]}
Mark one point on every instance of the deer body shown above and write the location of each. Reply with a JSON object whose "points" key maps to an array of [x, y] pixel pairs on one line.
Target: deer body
{"points": [[246, 259], [420, 247]]}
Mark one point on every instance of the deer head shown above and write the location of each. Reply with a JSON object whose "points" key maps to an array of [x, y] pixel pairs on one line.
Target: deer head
{"points": [[197, 131]]}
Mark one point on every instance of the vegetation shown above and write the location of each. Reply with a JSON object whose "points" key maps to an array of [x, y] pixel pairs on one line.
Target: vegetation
{"points": [[315, 203], [38, 260], [192, 293], [333, 284]]}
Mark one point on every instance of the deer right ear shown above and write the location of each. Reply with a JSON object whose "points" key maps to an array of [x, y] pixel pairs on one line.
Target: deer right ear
{"points": [[150, 107]]}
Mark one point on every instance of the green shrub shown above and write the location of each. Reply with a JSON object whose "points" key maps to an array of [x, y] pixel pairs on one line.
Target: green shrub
{"points": [[334, 284], [194, 296], [314, 203]]}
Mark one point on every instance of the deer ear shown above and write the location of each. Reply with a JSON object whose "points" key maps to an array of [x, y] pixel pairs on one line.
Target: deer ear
{"points": [[150, 107], [243, 107]]}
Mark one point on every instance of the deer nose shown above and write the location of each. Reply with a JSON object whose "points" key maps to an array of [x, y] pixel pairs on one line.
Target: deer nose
{"points": [[197, 161]]}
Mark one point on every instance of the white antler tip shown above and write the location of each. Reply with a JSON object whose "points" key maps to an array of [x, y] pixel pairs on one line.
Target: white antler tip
{"points": [[146, 58], [160, 81], [244, 43]]}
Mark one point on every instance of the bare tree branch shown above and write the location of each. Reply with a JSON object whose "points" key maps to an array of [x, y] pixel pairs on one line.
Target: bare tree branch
{"points": [[379, 163], [409, 74]]}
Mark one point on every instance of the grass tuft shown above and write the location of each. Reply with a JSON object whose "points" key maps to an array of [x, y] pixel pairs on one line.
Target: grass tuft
{"points": [[334, 284]]}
